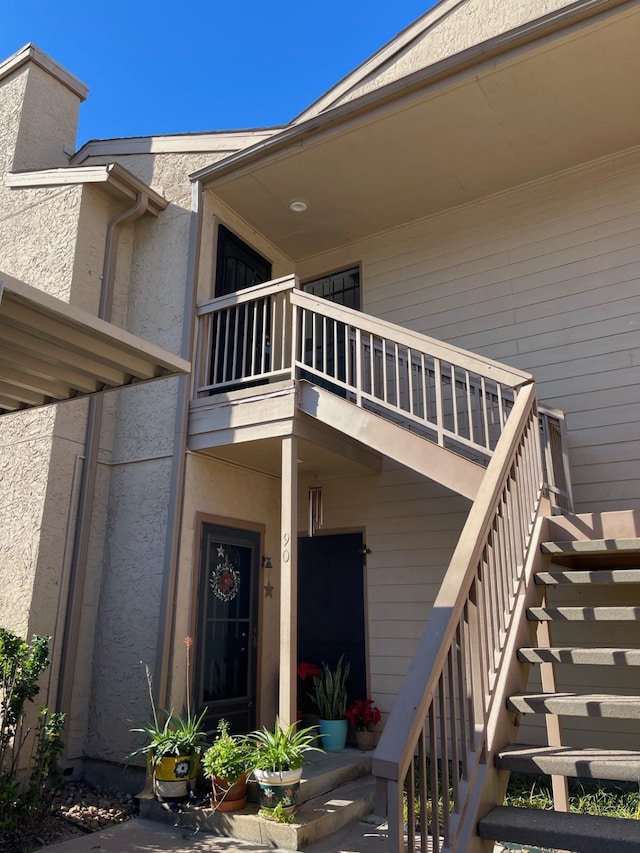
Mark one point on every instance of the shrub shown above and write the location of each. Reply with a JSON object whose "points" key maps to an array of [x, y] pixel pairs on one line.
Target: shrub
{"points": [[21, 665]]}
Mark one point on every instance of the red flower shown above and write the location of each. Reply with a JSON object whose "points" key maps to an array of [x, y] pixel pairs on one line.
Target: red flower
{"points": [[363, 714], [308, 670]]}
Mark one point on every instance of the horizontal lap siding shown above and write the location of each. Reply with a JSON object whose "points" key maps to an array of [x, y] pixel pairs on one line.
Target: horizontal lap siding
{"points": [[547, 279], [411, 528]]}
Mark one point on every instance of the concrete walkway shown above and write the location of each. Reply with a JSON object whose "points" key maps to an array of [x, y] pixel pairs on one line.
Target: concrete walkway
{"points": [[145, 836]]}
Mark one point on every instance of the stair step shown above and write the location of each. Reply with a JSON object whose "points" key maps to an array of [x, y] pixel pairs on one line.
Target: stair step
{"points": [[561, 831], [590, 546], [584, 614], [594, 657], [336, 789], [314, 819], [597, 576], [577, 705], [620, 765]]}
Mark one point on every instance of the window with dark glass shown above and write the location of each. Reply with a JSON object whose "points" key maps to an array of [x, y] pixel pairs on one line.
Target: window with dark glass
{"points": [[342, 287]]}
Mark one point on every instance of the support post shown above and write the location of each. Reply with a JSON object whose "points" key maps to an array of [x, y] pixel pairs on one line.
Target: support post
{"points": [[288, 580]]}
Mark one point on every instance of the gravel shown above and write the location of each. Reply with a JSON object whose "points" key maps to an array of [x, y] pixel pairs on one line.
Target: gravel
{"points": [[73, 809]]}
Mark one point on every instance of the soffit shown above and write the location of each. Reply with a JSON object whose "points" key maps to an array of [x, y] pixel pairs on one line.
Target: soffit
{"points": [[265, 456], [540, 109], [51, 351]]}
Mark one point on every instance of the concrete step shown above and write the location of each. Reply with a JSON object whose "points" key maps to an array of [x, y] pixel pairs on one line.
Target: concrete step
{"points": [[336, 789], [314, 819], [591, 657], [560, 831], [596, 576], [620, 765], [577, 705], [591, 546], [584, 614]]}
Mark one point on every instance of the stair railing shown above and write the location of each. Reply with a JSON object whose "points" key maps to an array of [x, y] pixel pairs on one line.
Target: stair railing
{"points": [[555, 459], [451, 397], [429, 761]]}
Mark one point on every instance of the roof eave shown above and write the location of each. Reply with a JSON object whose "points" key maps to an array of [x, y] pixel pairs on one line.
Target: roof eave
{"points": [[111, 175], [406, 88]]}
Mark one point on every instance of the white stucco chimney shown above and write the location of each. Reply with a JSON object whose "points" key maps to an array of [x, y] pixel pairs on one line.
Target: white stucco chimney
{"points": [[39, 106]]}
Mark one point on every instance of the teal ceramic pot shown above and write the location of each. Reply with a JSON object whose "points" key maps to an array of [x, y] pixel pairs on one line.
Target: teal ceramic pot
{"points": [[333, 734]]}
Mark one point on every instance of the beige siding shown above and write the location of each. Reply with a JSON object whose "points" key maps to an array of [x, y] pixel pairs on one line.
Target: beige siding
{"points": [[411, 526], [544, 278]]}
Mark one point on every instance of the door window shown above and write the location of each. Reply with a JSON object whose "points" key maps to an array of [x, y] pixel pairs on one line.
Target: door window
{"points": [[238, 265]]}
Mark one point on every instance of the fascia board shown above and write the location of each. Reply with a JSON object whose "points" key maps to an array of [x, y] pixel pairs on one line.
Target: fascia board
{"points": [[113, 176]]}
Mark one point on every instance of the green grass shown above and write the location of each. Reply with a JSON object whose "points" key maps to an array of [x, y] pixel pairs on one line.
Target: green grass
{"points": [[609, 800]]}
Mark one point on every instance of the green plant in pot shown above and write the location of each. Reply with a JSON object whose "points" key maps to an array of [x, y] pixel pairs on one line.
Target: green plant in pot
{"points": [[228, 762], [173, 744], [329, 694], [277, 763]]}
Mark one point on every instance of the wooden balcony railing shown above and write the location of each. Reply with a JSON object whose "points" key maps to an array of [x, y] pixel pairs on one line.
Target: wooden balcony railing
{"points": [[451, 397]]}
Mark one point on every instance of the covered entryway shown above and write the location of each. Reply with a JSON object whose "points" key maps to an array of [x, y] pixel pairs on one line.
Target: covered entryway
{"points": [[331, 609]]}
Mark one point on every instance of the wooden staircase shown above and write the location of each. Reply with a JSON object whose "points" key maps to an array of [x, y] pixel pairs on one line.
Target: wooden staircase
{"points": [[589, 594]]}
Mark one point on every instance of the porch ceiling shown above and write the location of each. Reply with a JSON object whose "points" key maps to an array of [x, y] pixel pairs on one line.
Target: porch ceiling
{"points": [[51, 351], [415, 148], [314, 460]]}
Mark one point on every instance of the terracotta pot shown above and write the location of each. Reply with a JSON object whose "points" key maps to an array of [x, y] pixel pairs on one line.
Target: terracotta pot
{"points": [[228, 797], [276, 787], [365, 740]]}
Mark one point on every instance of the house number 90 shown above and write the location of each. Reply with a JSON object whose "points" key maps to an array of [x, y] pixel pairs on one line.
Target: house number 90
{"points": [[285, 551]]}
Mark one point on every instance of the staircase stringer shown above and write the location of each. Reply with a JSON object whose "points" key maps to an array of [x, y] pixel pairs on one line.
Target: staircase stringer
{"points": [[444, 466], [489, 787], [559, 784]]}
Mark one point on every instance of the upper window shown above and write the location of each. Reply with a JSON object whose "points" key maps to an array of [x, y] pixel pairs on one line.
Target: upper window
{"points": [[342, 287], [238, 265]]}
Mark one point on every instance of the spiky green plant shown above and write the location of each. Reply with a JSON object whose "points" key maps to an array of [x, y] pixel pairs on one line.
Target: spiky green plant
{"points": [[282, 749], [329, 691]]}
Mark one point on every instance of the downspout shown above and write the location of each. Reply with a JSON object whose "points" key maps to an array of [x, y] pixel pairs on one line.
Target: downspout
{"points": [[78, 568], [167, 614]]}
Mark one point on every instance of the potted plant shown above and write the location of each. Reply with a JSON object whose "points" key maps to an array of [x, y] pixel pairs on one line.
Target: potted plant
{"points": [[173, 744], [307, 711], [277, 764], [363, 716], [228, 763], [330, 696]]}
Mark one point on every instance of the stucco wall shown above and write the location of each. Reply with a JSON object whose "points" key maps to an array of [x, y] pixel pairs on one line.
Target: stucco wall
{"points": [[48, 125], [444, 31]]}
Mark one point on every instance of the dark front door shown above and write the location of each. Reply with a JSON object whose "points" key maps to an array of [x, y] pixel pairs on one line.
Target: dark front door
{"points": [[331, 605], [238, 265], [227, 625]]}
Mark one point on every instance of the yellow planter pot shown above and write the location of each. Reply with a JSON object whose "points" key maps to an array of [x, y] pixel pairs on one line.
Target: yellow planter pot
{"points": [[175, 775]]}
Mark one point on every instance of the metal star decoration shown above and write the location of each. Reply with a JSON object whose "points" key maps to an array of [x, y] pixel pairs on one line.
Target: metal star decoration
{"points": [[268, 589]]}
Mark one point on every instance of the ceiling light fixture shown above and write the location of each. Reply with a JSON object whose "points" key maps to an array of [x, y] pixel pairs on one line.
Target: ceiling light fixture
{"points": [[298, 206]]}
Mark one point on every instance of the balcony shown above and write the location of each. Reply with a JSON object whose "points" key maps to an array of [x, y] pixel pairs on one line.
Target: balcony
{"points": [[272, 356]]}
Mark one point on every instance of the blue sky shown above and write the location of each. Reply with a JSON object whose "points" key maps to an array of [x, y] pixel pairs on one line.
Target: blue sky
{"points": [[158, 67]]}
